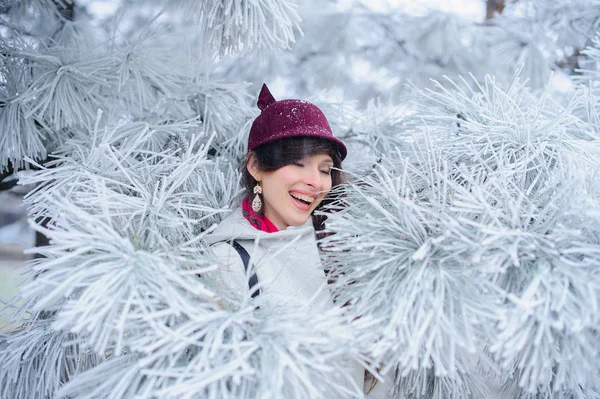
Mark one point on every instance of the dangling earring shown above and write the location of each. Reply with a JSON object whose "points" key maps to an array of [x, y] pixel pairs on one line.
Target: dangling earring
{"points": [[257, 202]]}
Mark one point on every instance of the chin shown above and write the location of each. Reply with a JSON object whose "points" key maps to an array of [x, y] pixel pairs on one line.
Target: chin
{"points": [[299, 221]]}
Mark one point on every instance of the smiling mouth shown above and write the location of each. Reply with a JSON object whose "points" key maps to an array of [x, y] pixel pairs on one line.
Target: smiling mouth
{"points": [[303, 202], [304, 198]]}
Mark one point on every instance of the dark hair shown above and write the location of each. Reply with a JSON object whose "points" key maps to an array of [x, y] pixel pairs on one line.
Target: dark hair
{"points": [[277, 154]]}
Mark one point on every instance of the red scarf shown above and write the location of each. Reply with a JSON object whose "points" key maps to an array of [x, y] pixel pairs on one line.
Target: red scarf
{"points": [[261, 223]]}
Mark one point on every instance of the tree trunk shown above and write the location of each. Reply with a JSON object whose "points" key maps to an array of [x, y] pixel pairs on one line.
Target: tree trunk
{"points": [[493, 7]]}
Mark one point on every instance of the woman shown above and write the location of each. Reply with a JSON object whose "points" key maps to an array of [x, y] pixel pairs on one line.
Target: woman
{"points": [[293, 162]]}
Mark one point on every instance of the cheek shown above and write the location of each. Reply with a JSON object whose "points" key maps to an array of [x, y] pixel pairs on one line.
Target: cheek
{"points": [[286, 177], [326, 188], [274, 188], [327, 183]]}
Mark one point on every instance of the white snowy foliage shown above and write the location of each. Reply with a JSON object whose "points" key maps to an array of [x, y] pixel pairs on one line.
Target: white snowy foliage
{"points": [[449, 41], [228, 354], [145, 73], [37, 349], [55, 87], [369, 54], [571, 23], [45, 13], [20, 136], [231, 26], [531, 211], [483, 234], [65, 91], [379, 129], [122, 173], [421, 385], [104, 283], [397, 257], [80, 34], [589, 86], [541, 36], [223, 110]]}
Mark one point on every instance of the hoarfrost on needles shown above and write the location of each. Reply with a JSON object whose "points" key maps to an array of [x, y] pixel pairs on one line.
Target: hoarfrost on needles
{"points": [[466, 241]]}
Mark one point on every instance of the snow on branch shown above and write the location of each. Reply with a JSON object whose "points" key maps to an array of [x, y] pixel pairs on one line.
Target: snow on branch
{"points": [[223, 109], [36, 360], [20, 136], [231, 26], [426, 385], [240, 354], [480, 233], [79, 34], [104, 284], [505, 127], [549, 277], [379, 129], [123, 220], [120, 170], [65, 92], [589, 75], [573, 22], [146, 73], [394, 256], [47, 10], [522, 193]]}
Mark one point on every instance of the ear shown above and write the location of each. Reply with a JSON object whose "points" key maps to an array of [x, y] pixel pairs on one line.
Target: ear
{"points": [[252, 167]]}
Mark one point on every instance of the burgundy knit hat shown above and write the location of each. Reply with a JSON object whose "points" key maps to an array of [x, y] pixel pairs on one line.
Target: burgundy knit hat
{"points": [[289, 118]]}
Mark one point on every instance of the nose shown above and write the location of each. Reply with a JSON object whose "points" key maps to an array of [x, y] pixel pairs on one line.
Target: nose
{"points": [[313, 177]]}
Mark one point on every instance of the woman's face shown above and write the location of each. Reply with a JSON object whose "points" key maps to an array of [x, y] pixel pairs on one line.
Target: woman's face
{"points": [[291, 193]]}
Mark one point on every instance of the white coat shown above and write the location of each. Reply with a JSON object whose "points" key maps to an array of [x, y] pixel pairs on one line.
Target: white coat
{"points": [[288, 267]]}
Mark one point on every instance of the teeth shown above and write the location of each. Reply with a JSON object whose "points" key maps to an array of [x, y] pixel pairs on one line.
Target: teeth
{"points": [[303, 197]]}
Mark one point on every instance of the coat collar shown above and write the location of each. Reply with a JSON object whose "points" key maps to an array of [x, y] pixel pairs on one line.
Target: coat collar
{"points": [[235, 226]]}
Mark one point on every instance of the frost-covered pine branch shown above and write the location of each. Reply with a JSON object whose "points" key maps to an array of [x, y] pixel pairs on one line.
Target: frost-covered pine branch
{"points": [[589, 74], [64, 91], [541, 37], [396, 255], [20, 136], [37, 359], [481, 233], [230, 354], [230, 26], [223, 110], [530, 163], [573, 22], [379, 129], [146, 73], [121, 275]]}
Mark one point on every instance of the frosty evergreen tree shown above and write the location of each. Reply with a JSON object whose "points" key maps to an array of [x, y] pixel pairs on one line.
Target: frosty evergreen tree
{"points": [[467, 240], [145, 149]]}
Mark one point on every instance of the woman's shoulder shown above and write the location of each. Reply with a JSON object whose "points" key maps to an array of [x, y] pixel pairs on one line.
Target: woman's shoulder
{"points": [[233, 227], [225, 229], [226, 254], [229, 277]]}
